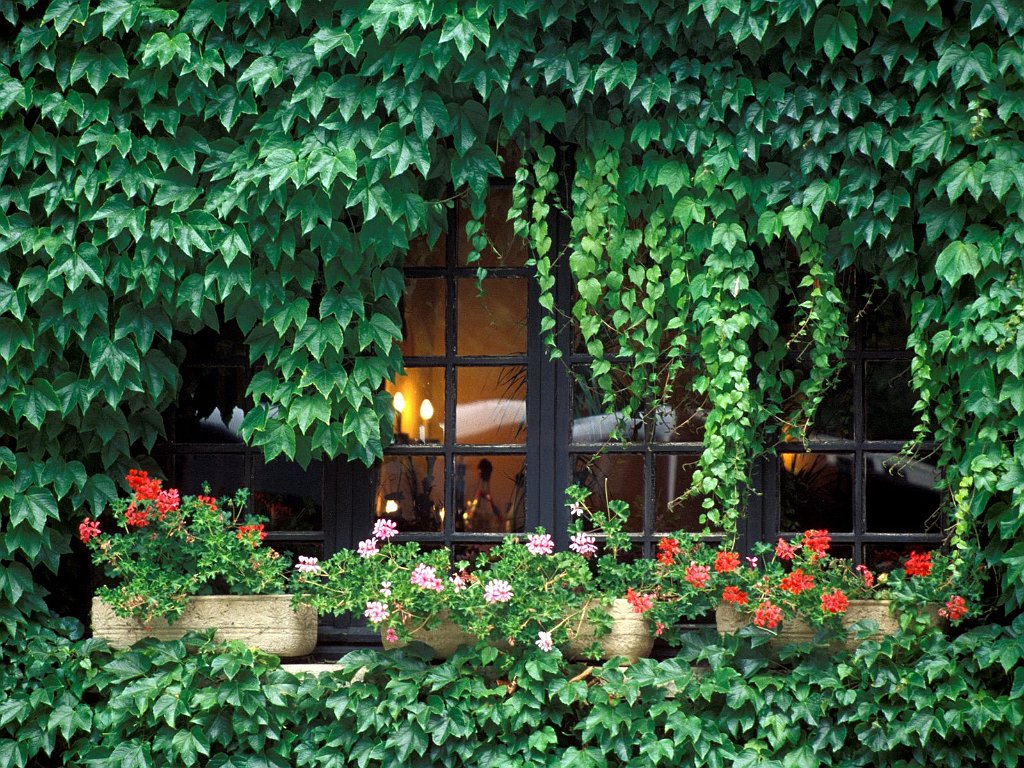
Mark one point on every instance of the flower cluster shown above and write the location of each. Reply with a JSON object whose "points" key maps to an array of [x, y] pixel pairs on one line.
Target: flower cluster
{"points": [[160, 547]]}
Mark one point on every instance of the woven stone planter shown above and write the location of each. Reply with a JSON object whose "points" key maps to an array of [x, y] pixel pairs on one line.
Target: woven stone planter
{"points": [[266, 622], [631, 635], [444, 639], [795, 630]]}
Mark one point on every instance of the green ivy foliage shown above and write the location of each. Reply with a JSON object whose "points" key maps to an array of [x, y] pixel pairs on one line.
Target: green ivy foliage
{"points": [[165, 166], [914, 700]]}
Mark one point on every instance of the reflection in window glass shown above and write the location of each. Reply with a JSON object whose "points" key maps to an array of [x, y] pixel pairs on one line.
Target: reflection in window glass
{"points": [[410, 491], [901, 493], [682, 418], [504, 249], [492, 323], [673, 476], [224, 472], [211, 405], [490, 493], [613, 476], [886, 322], [816, 491], [423, 311], [888, 400], [419, 412], [420, 254], [888, 557], [592, 421], [288, 495], [491, 405], [834, 418]]}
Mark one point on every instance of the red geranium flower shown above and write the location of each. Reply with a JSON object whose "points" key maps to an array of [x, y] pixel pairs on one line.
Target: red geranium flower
{"points": [[956, 608], [919, 564], [245, 530], [817, 542], [767, 615], [209, 501], [784, 550], [88, 529], [797, 582], [167, 501], [135, 517], [697, 575], [143, 486], [668, 548], [834, 601], [640, 603], [869, 578], [735, 595], [726, 562]]}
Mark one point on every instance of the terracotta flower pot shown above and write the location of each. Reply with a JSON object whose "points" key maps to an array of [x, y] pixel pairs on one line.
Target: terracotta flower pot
{"points": [[444, 639], [795, 630], [631, 635], [266, 622]]}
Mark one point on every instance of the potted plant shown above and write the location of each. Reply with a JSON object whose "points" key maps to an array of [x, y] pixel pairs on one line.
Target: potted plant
{"points": [[194, 562], [798, 588]]}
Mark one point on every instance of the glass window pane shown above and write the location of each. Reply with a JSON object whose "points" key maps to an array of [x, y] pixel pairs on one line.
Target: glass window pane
{"points": [[504, 249], [490, 493], [886, 322], [420, 254], [834, 419], [419, 412], [297, 548], [288, 495], [888, 400], [471, 552], [673, 475], [900, 493], [613, 476], [592, 421], [224, 472], [211, 405], [423, 312], [816, 491], [410, 491], [494, 322], [888, 557], [491, 405], [682, 417]]}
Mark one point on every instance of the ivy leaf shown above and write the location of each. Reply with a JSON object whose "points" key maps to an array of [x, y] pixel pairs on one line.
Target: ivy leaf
{"points": [[474, 169], [963, 175], [833, 33], [34, 505], [957, 260]]}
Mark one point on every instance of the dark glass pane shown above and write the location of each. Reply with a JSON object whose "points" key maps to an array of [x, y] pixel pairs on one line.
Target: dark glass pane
{"points": [[888, 400], [211, 405], [288, 495], [834, 419], [490, 493], [491, 405], [592, 421], [886, 321], [888, 557], [613, 476], [420, 254], [494, 322], [410, 491], [419, 412], [470, 552], [504, 249], [423, 311], [844, 551], [215, 346], [682, 417], [673, 475], [900, 494], [225, 473], [816, 491]]}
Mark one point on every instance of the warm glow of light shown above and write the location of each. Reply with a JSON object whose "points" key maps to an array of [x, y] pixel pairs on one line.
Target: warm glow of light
{"points": [[390, 507], [399, 402], [426, 410]]}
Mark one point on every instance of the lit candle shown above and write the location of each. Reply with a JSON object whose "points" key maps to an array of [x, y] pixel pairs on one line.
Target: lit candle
{"points": [[399, 405], [426, 413]]}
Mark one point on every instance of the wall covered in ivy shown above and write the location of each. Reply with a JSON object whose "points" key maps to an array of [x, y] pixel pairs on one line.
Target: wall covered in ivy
{"points": [[168, 166]]}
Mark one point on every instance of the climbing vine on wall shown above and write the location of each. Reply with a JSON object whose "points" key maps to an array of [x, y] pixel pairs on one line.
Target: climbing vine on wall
{"points": [[168, 166]]}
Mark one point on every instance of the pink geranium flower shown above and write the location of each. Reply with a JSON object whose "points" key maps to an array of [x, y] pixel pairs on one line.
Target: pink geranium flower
{"points": [[368, 548], [583, 544], [385, 529], [308, 565], [544, 641], [376, 611], [540, 544], [425, 576], [498, 591]]}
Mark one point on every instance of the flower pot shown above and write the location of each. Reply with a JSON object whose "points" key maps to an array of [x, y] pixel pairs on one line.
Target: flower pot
{"points": [[631, 635], [266, 622], [444, 639], [795, 630]]}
